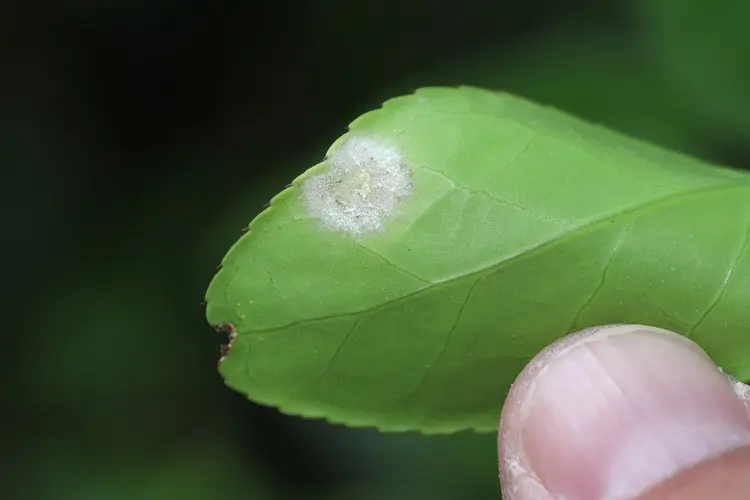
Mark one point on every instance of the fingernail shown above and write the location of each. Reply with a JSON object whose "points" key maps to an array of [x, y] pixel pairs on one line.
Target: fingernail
{"points": [[610, 415]]}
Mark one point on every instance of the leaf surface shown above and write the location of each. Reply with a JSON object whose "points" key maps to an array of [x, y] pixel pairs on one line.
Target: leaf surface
{"points": [[520, 224]]}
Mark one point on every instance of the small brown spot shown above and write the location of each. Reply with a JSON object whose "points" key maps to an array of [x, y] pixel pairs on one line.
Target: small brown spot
{"points": [[231, 331]]}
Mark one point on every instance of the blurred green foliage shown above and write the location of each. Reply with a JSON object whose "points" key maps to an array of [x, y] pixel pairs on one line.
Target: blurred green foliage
{"points": [[701, 50], [138, 141]]}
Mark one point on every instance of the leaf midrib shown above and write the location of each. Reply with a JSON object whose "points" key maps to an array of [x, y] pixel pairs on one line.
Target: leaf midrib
{"points": [[635, 211]]}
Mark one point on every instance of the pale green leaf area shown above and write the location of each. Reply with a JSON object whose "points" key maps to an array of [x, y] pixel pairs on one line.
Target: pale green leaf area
{"points": [[521, 224]]}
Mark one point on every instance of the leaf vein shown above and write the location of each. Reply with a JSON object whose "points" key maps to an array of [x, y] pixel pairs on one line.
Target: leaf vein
{"points": [[392, 264], [634, 212], [670, 316], [722, 288], [448, 338], [494, 198], [603, 278], [336, 353]]}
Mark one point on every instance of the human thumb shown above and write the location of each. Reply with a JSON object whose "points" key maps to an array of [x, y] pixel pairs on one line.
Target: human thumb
{"points": [[625, 412]]}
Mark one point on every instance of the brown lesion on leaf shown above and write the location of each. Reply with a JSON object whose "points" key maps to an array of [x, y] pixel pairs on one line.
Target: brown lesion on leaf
{"points": [[231, 332]]}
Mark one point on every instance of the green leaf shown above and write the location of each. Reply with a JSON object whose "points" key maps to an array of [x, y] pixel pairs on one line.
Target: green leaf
{"points": [[374, 300]]}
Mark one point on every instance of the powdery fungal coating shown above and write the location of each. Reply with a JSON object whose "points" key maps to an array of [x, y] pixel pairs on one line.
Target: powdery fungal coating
{"points": [[362, 187]]}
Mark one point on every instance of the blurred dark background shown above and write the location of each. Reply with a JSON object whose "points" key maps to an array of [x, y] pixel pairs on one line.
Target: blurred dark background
{"points": [[138, 139]]}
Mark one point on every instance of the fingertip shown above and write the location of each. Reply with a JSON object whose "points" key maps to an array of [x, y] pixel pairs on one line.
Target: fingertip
{"points": [[609, 411]]}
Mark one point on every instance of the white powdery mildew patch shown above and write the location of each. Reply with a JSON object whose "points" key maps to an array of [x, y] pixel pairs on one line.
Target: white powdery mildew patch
{"points": [[362, 187]]}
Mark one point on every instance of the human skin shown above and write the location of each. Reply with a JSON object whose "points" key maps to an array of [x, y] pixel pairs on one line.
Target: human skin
{"points": [[625, 412]]}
